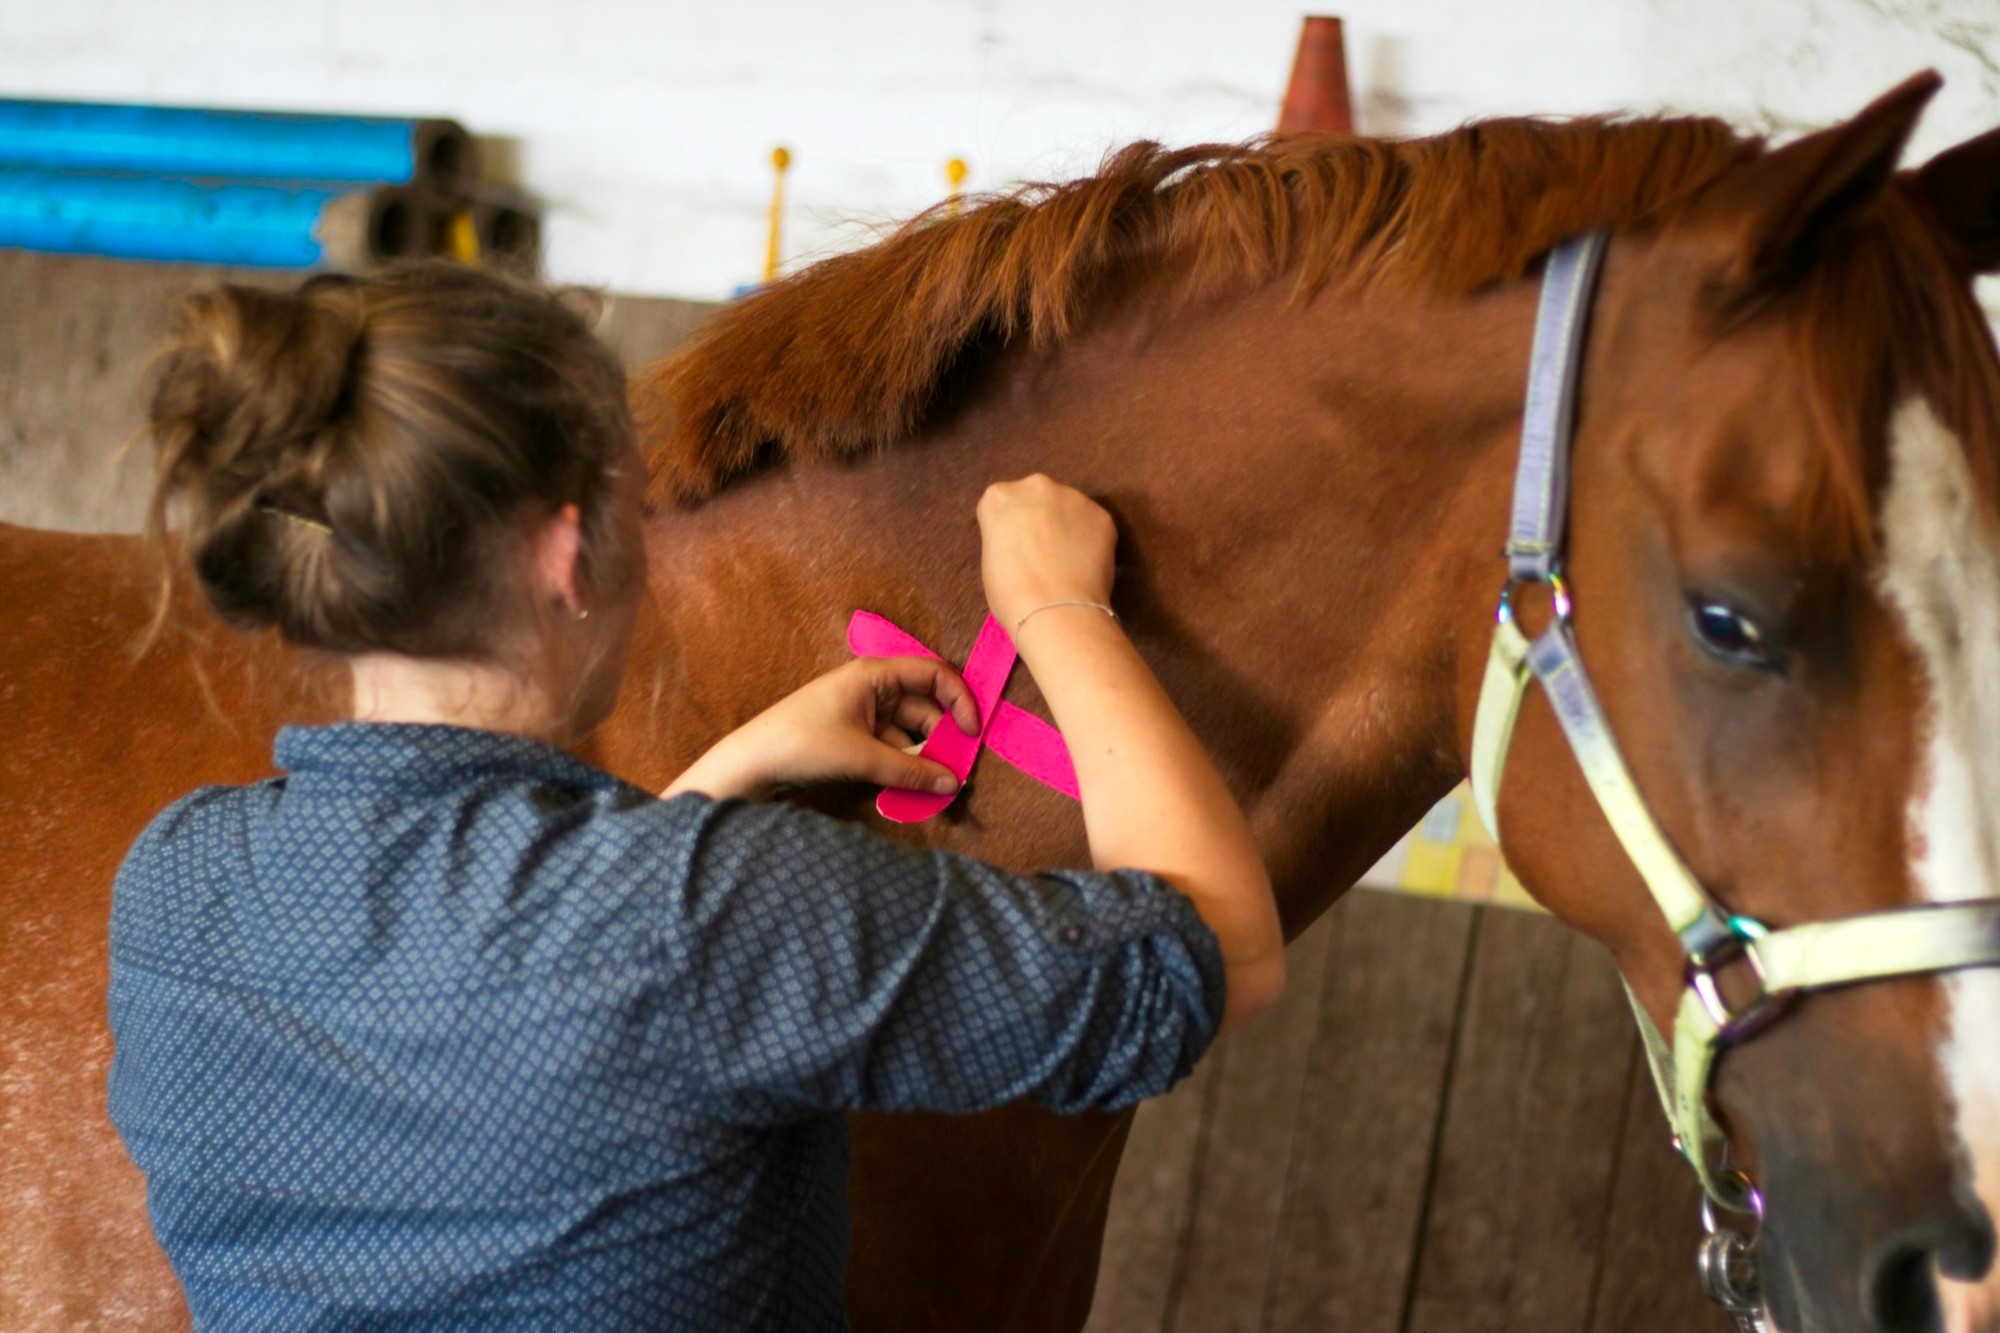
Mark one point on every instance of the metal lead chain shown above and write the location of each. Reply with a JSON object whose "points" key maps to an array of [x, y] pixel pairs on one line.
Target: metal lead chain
{"points": [[1727, 1261]]}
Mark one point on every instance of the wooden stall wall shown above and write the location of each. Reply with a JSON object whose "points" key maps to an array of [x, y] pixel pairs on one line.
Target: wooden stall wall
{"points": [[1445, 1128]]}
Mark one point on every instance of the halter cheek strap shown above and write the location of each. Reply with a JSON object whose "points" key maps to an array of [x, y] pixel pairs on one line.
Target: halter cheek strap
{"points": [[1777, 964], [1534, 555]]}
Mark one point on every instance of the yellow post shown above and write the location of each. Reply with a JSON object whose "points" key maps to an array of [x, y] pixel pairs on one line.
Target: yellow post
{"points": [[781, 160], [462, 238], [954, 178]]}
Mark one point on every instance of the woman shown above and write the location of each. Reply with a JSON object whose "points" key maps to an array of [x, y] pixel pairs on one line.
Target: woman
{"points": [[445, 1028]]}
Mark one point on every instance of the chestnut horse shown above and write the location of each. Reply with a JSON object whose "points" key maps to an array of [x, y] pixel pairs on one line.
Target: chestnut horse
{"points": [[1294, 370]]}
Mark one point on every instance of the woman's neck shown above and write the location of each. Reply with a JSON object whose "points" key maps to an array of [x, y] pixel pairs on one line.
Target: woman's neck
{"points": [[392, 688]]}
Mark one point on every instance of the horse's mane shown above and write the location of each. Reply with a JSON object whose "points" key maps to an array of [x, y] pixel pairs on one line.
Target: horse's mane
{"points": [[847, 355]]}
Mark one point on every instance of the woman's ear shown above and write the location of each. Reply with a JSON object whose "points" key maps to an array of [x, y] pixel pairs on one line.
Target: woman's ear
{"points": [[556, 544]]}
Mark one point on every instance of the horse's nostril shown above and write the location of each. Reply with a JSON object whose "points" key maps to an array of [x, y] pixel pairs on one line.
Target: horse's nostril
{"points": [[1902, 1292], [1903, 1272]]}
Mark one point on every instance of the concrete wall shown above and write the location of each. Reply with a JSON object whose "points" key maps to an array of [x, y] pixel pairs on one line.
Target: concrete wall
{"points": [[647, 124], [76, 337]]}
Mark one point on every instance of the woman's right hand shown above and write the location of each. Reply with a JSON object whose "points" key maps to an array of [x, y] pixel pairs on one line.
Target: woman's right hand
{"points": [[1041, 542]]}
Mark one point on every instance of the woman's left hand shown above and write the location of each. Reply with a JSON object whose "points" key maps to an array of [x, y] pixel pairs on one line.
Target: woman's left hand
{"points": [[854, 724]]}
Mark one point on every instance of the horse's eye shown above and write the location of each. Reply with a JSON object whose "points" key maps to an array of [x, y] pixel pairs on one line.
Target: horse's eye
{"points": [[1728, 634]]}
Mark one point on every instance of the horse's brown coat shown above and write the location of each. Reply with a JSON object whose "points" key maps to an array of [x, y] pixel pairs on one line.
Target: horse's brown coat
{"points": [[1311, 497]]}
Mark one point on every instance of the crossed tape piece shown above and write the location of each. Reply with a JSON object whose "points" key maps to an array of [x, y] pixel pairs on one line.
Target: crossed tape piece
{"points": [[1016, 735]]}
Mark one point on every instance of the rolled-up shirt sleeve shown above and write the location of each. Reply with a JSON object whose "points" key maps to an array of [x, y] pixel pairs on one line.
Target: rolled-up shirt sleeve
{"points": [[816, 963]]}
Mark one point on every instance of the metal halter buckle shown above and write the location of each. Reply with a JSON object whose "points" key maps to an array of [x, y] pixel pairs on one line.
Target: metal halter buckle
{"points": [[1558, 589], [1704, 977]]}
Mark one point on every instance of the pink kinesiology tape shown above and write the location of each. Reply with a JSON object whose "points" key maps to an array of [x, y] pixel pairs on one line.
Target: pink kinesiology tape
{"points": [[1017, 736]]}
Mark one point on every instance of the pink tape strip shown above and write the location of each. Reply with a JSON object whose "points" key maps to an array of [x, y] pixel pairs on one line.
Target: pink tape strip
{"points": [[985, 673], [1034, 747], [1017, 736]]}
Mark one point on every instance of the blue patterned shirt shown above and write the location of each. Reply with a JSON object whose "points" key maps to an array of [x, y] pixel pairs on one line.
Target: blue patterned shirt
{"points": [[447, 1029]]}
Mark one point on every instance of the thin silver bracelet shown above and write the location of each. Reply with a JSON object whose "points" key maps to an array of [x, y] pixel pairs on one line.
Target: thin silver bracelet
{"points": [[1037, 610]]}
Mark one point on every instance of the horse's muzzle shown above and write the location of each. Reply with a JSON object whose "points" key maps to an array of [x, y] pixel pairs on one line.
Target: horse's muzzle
{"points": [[1901, 1276]]}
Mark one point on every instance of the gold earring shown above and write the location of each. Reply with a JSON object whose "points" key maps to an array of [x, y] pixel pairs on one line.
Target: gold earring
{"points": [[583, 614]]}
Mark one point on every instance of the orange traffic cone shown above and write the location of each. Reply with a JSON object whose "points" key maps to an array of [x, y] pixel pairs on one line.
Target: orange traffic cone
{"points": [[1317, 97]]}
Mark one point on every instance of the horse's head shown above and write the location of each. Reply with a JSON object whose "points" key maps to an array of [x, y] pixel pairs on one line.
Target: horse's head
{"points": [[1785, 560]]}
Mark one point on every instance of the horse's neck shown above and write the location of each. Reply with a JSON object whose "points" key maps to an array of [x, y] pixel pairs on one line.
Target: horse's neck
{"points": [[1315, 537], [1307, 499]]}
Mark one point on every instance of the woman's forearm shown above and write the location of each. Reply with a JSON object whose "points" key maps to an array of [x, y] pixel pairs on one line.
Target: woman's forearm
{"points": [[1151, 798], [835, 728], [720, 774]]}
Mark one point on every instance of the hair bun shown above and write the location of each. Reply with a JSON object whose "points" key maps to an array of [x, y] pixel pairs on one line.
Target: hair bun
{"points": [[252, 383], [352, 463], [247, 411]]}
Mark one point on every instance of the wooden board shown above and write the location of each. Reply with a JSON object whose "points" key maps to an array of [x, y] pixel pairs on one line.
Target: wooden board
{"points": [[1152, 1203], [1513, 1237], [1648, 1284], [1292, 1178], [1247, 1148], [1445, 1128], [1368, 1114]]}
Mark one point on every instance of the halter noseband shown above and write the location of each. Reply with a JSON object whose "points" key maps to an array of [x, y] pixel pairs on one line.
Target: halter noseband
{"points": [[1783, 964]]}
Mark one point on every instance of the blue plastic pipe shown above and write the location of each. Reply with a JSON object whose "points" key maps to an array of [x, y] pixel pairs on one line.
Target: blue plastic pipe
{"points": [[186, 141], [262, 224]]}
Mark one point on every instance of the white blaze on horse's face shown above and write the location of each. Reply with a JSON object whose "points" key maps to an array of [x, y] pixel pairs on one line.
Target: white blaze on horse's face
{"points": [[1941, 574]]}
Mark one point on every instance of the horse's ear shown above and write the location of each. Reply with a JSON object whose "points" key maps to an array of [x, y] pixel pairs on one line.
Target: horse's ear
{"points": [[1782, 206], [1963, 185]]}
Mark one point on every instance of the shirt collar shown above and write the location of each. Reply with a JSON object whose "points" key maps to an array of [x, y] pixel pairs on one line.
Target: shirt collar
{"points": [[428, 754]]}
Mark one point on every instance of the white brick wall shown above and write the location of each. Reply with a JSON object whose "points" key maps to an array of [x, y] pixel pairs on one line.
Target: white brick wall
{"points": [[648, 126]]}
